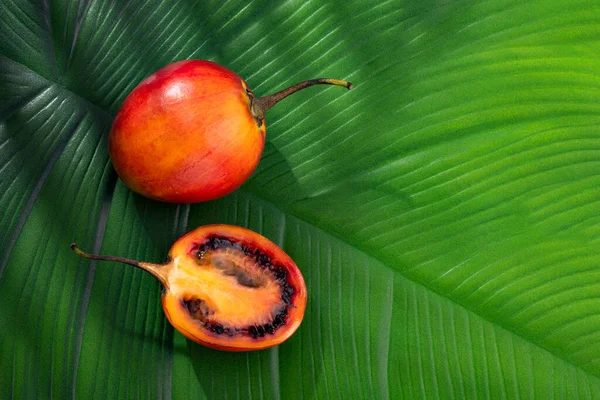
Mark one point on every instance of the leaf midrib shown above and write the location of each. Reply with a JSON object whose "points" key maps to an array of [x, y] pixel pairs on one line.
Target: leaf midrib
{"points": [[356, 246]]}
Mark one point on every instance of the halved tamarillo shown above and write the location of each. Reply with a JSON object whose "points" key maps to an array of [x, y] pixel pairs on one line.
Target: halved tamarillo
{"points": [[228, 288], [192, 131]]}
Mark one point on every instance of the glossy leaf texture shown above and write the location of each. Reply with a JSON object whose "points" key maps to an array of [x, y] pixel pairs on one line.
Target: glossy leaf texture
{"points": [[445, 212]]}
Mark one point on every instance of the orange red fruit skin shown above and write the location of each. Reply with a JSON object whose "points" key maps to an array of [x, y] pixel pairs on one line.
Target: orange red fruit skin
{"points": [[179, 317], [186, 134]]}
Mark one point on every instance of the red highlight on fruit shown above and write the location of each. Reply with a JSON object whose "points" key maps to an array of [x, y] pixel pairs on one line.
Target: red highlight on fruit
{"points": [[193, 131], [228, 288]]}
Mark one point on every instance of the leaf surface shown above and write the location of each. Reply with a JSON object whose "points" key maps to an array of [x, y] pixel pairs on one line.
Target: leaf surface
{"points": [[444, 212]]}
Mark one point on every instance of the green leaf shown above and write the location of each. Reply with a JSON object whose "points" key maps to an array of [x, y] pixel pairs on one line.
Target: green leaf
{"points": [[444, 212]]}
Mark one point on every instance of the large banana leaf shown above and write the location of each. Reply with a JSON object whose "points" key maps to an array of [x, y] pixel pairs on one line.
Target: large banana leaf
{"points": [[445, 212]]}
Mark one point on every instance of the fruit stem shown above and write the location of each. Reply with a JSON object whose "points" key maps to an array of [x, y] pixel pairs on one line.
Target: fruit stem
{"points": [[265, 103], [157, 270]]}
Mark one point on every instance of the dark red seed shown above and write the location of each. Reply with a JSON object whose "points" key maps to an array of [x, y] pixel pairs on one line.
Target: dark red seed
{"points": [[260, 330], [263, 259], [252, 331], [280, 274], [269, 329]]}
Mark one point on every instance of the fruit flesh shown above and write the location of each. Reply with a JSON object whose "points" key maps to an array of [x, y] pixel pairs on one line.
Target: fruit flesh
{"points": [[186, 134], [234, 293]]}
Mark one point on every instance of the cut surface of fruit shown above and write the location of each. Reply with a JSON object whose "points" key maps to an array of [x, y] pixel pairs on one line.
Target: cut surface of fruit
{"points": [[231, 285], [228, 288]]}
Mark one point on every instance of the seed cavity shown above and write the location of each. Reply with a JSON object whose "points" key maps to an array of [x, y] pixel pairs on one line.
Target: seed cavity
{"points": [[246, 280], [230, 268], [199, 309]]}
